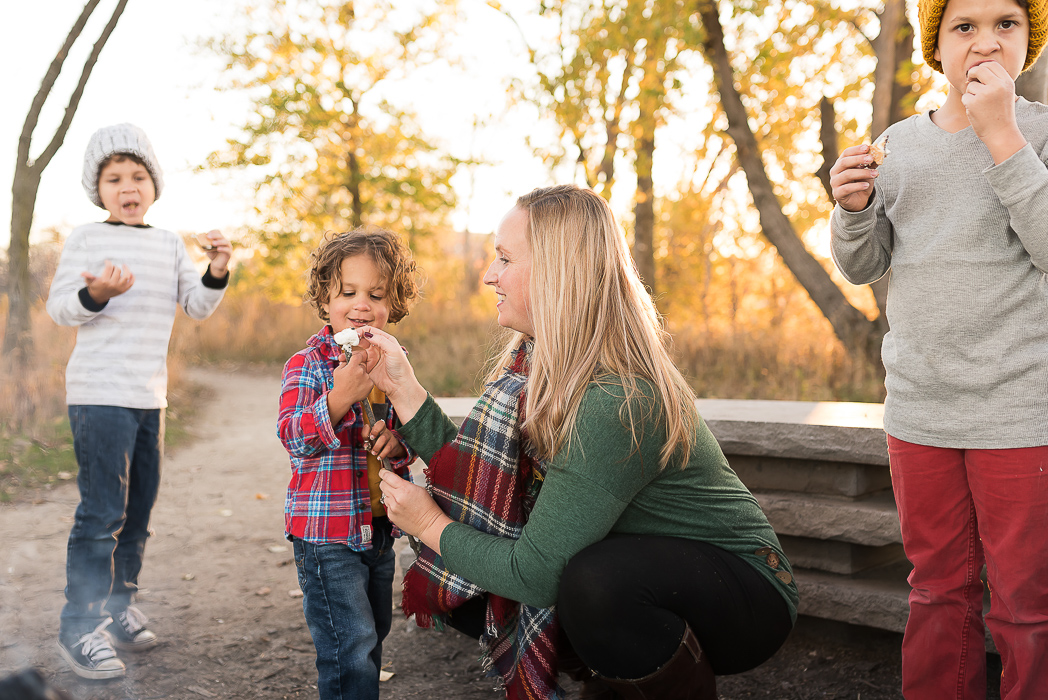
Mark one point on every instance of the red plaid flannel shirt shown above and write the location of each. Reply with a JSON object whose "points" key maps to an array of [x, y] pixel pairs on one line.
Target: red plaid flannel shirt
{"points": [[327, 499]]}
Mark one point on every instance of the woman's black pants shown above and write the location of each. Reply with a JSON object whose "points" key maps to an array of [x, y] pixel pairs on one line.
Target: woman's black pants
{"points": [[624, 602]]}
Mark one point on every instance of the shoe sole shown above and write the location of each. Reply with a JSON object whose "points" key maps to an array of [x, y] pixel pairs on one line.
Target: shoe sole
{"points": [[88, 673], [132, 646]]}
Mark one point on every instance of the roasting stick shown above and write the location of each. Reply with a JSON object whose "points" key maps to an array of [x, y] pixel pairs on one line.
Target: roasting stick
{"points": [[347, 339]]}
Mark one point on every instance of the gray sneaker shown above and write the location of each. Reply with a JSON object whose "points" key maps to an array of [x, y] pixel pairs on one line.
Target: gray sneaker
{"points": [[129, 632], [92, 655]]}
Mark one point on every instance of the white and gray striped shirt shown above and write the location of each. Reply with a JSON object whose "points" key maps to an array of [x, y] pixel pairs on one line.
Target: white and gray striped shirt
{"points": [[120, 357]]}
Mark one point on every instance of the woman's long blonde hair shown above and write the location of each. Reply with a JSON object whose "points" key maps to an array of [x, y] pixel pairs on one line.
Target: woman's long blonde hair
{"points": [[593, 321]]}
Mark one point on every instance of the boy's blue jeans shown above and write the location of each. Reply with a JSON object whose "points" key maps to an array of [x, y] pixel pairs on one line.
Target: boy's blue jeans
{"points": [[118, 451], [348, 603]]}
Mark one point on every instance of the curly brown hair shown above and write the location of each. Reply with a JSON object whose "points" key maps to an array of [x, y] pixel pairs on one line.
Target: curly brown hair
{"points": [[390, 255]]}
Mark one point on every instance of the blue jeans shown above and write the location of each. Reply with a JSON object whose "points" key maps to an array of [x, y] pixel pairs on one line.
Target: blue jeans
{"points": [[348, 603], [118, 451]]}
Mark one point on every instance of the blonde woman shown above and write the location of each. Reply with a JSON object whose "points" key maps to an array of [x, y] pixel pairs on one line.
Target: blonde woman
{"points": [[583, 517]]}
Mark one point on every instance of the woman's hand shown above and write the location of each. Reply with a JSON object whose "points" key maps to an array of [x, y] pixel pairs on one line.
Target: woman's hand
{"points": [[413, 510], [388, 366]]}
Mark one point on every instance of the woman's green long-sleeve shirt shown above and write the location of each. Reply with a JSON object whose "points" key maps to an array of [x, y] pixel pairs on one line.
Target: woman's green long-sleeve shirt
{"points": [[600, 485]]}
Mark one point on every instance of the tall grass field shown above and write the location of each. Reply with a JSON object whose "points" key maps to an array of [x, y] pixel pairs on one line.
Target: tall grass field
{"points": [[448, 344]]}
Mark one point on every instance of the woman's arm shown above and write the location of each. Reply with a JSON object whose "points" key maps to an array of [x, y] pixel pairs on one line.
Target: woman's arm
{"points": [[428, 430], [585, 491]]}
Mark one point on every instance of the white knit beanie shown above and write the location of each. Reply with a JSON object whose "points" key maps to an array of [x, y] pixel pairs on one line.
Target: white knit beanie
{"points": [[119, 138]]}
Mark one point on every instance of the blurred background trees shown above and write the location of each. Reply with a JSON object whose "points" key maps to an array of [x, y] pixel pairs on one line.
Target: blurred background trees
{"points": [[330, 150], [18, 283], [709, 125]]}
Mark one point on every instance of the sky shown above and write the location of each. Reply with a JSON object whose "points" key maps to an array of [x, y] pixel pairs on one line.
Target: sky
{"points": [[152, 74]]}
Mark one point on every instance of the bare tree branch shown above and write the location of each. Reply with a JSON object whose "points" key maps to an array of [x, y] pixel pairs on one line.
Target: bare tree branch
{"points": [[53, 71], [828, 136], [74, 99], [26, 184]]}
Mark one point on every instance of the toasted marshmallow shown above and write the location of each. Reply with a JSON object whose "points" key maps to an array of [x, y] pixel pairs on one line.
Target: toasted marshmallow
{"points": [[347, 336], [879, 151]]}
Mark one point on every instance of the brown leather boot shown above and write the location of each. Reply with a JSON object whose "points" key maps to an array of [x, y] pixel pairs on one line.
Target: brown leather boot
{"points": [[686, 676], [592, 688], [595, 689]]}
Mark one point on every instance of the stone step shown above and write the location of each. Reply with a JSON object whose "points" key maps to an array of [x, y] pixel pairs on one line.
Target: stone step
{"points": [[876, 598], [811, 430], [849, 479], [872, 521], [838, 557]]}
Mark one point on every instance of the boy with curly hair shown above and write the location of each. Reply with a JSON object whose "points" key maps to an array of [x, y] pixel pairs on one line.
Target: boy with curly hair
{"points": [[334, 517]]}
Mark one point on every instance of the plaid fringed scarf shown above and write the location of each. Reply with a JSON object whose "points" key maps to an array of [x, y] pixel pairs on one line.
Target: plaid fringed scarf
{"points": [[485, 479]]}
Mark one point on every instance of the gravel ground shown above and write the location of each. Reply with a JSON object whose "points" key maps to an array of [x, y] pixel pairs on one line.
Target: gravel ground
{"points": [[219, 580]]}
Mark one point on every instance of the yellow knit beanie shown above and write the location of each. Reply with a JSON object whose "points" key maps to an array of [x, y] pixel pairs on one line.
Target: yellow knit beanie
{"points": [[930, 14]]}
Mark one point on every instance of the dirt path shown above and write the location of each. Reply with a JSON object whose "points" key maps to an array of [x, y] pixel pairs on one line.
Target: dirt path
{"points": [[218, 574]]}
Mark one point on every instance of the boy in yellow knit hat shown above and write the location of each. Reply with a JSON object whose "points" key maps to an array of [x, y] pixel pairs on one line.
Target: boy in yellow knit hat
{"points": [[958, 212]]}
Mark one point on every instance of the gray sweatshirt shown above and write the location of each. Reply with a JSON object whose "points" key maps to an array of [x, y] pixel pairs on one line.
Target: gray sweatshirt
{"points": [[966, 242]]}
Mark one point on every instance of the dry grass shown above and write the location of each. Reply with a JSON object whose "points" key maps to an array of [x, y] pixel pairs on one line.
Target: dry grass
{"points": [[32, 396], [773, 364], [448, 344], [35, 441]]}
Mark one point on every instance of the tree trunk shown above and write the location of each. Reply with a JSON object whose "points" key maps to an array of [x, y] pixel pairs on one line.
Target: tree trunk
{"points": [[652, 94], [860, 336], [886, 47], [903, 83], [17, 339], [828, 137], [353, 187], [644, 205]]}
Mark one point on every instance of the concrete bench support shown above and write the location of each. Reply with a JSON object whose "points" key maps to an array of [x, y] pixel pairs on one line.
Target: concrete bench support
{"points": [[820, 472]]}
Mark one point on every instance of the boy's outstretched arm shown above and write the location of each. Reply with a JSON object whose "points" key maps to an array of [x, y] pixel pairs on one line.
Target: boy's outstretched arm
{"points": [[69, 301]]}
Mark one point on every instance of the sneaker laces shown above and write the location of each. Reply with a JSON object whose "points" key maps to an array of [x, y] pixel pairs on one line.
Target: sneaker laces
{"points": [[132, 620], [95, 645]]}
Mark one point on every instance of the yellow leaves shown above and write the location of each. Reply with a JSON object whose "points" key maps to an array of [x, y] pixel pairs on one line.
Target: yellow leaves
{"points": [[329, 152]]}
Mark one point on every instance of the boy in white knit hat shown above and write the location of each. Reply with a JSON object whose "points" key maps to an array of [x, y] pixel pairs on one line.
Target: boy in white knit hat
{"points": [[958, 211], [119, 282]]}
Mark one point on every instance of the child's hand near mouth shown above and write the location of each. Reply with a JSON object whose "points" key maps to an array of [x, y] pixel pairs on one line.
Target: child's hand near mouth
{"points": [[989, 101]]}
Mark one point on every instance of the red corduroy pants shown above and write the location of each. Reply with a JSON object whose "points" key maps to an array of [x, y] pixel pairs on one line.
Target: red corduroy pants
{"points": [[960, 509]]}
